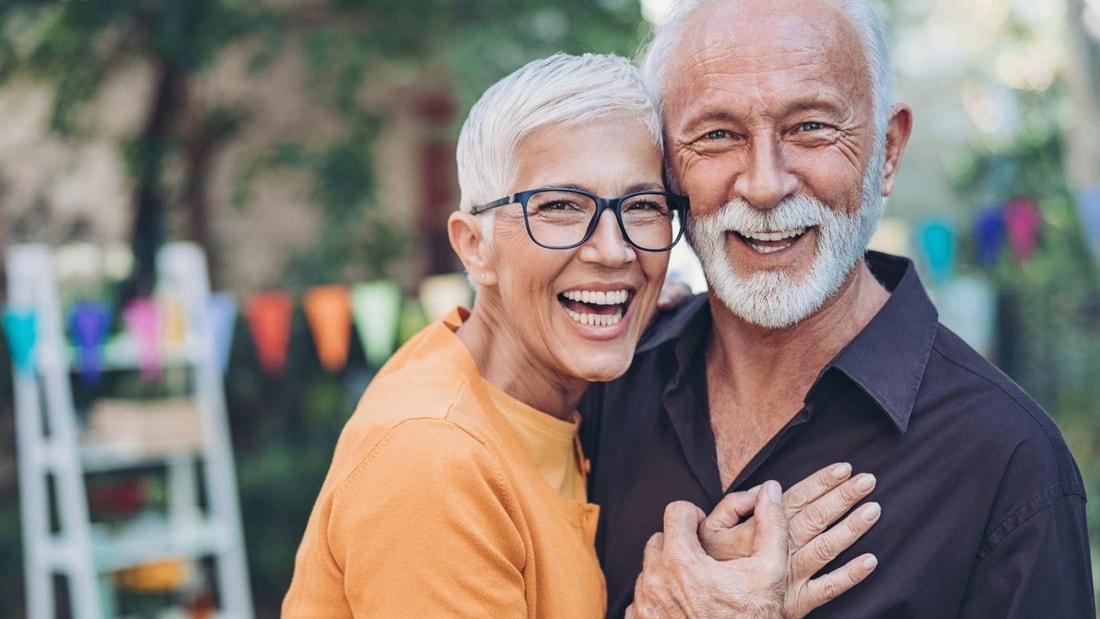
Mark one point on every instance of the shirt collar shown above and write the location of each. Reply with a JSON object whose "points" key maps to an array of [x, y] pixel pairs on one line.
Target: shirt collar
{"points": [[886, 360], [888, 357]]}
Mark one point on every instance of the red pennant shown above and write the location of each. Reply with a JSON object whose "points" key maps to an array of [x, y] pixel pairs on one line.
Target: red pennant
{"points": [[269, 315]]}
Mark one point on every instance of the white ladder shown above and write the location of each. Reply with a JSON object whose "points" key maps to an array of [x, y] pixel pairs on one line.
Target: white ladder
{"points": [[50, 445]]}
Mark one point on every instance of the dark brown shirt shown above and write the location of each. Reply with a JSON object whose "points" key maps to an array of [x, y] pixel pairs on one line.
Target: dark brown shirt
{"points": [[983, 507]]}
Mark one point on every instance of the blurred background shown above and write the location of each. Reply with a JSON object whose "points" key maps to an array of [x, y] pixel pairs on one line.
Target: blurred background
{"points": [[307, 147]]}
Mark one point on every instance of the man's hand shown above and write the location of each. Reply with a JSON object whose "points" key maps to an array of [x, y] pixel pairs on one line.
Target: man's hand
{"points": [[811, 506], [679, 579]]}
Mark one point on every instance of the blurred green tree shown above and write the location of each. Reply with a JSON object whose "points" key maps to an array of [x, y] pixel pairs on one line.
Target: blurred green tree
{"points": [[76, 46]]}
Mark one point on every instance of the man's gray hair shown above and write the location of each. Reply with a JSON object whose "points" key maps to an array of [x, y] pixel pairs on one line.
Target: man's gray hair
{"points": [[872, 33], [558, 91]]}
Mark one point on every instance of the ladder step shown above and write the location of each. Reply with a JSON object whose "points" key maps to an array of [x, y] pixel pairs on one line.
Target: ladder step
{"points": [[153, 540]]}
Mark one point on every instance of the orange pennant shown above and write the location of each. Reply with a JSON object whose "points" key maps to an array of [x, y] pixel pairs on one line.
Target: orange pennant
{"points": [[269, 315], [328, 309]]}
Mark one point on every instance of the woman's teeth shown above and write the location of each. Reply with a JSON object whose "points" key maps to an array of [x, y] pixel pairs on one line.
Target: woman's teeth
{"points": [[596, 320], [601, 298], [597, 297]]}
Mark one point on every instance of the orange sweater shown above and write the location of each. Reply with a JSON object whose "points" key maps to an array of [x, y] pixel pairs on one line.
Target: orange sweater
{"points": [[432, 507]]}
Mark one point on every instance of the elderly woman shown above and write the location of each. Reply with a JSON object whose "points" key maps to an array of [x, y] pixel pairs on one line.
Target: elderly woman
{"points": [[458, 487]]}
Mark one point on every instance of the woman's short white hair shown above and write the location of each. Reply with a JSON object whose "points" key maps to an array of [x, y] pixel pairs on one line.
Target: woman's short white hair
{"points": [[872, 33], [559, 91]]}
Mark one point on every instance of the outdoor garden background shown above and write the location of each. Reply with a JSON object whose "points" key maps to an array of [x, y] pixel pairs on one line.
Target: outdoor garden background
{"points": [[310, 142]]}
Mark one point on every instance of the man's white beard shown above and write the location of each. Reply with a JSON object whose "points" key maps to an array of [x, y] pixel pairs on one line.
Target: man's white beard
{"points": [[772, 298]]}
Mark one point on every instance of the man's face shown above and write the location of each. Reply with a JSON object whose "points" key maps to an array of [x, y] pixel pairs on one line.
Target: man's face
{"points": [[769, 124]]}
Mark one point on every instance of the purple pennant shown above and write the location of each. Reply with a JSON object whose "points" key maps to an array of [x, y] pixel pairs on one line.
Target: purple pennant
{"points": [[1022, 220], [21, 329], [989, 234], [1088, 209], [89, 322]]}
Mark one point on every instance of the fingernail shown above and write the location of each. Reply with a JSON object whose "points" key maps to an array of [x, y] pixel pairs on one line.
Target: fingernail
{"points": [[870, 563], [753, 490], [773, 491], [841, 471], [870, 512], [864, 482]]}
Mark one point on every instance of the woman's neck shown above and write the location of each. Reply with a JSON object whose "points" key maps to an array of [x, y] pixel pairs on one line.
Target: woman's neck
{"points": [[503, 362]]}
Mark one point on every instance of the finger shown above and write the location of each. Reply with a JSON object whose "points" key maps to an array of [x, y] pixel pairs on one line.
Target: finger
{"points": [[827, 509], [771, 525], [673, 293], [806, 561], [653, 548], [682, 520], [830, 586], [808, 490], [732, 509]]}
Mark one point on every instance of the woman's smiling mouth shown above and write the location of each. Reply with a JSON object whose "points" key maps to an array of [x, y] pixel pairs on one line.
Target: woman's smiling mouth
{"points": [[600, 308]]}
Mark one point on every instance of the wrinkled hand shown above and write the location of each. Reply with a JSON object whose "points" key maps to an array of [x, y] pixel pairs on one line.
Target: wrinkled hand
{"points": [[810, 506], [679, 579]]}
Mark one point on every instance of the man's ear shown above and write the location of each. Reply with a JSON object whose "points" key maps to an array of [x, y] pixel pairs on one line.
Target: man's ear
{"points": [[897, 136], [473, 249]]}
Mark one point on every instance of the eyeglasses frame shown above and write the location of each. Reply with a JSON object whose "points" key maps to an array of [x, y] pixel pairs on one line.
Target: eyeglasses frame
{"points": [[677, 202]]}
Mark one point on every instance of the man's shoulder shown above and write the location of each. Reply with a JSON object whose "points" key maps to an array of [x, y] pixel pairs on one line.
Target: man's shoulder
{"points": [[993, 413]]}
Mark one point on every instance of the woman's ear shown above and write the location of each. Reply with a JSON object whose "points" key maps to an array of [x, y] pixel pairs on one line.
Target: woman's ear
{"points": [[473, 249]]}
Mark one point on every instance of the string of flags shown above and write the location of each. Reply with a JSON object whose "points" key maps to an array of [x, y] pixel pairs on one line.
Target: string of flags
{"points": [[377, 311]]}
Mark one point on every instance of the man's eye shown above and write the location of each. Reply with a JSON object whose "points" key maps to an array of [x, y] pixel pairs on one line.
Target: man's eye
{"points": [[811, 126], [717, 134]]}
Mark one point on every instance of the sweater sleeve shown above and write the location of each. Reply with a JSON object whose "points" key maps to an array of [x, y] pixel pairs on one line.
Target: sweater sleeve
{"points": [[426, 526]]}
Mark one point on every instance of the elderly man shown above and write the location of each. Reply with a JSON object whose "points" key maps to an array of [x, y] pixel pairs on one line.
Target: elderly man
{"points": [[780, 126]]}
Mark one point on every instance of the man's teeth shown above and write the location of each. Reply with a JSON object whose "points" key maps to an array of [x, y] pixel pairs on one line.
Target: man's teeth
{"points": [[596, 320], [772, 237], [597, 297]]}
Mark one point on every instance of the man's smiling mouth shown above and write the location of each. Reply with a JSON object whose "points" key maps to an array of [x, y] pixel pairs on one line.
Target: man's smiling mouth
{"points": [[768, 242]]}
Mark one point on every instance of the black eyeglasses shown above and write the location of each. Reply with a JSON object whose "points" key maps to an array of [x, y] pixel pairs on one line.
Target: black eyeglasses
{"points": [[561, 218]]}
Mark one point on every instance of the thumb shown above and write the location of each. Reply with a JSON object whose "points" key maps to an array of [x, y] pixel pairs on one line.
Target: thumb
{"points": [[771, 526]]}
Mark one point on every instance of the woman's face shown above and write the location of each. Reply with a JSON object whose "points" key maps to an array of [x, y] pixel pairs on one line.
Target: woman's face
{"points": [[561, 306]]}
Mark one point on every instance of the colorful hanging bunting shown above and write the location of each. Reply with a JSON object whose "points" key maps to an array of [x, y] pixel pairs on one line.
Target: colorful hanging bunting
{"points": [[989, 233], [439, 294], [89, 322], [413, 320], [1022, 220], [221, 311], [142, 318], [968, 306], [174, 321], [376, 306], [269, 318], [328, 309], [1088, 209], [937, 240], [21, 329]]}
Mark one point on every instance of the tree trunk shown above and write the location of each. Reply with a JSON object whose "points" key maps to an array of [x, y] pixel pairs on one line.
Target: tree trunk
{"points": [[147, 232]]}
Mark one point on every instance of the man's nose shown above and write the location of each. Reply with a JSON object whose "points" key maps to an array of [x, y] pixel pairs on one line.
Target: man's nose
{"points": [[766, 179], [607, 244]]}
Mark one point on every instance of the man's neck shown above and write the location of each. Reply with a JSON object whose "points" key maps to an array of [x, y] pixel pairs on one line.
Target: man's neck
{"points": [[757, 377]]}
